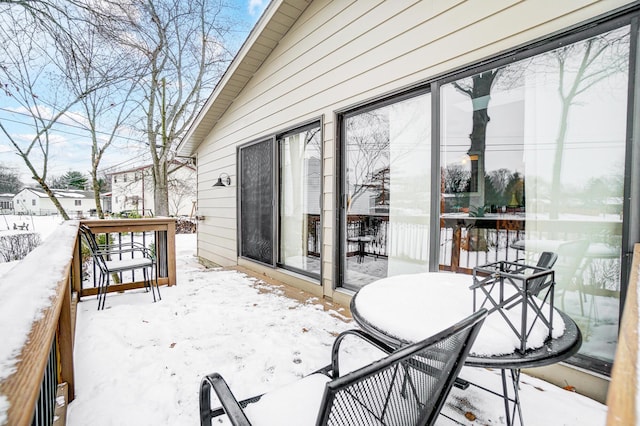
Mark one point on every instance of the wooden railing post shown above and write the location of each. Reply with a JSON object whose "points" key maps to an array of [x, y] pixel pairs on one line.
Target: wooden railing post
{"points": [[171, 253], [65, 344], [623, 389]]}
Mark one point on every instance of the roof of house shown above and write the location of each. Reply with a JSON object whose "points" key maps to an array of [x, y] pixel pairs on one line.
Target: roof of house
{"points": [[148, 166], [60, 193], [274, 23]]}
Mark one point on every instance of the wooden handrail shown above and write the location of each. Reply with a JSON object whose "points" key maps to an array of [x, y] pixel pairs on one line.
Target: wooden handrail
{"points": [[157, 224], [623, 390], [54, 322]]}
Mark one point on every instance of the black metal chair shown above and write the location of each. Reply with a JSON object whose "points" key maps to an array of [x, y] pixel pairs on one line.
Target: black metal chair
{"points": [[407, 387], [534, 289], [109, 260]]}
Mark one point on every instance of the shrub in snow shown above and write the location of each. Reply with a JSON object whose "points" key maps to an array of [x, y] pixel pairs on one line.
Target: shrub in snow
{"points": [[17, 246]]}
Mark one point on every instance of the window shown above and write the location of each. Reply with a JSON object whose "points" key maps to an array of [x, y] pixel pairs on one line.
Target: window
{"points": [[531, 156], [33, 202], [77, 202], [386, 190], [536, 156], [300, 161]]}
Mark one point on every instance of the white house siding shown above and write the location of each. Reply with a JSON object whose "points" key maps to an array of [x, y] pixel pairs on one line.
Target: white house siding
{"points": [[123, 192], [341, 53], [36, 202]]}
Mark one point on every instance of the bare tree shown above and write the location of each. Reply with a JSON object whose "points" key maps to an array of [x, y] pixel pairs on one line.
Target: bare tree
{"points": [[478, 88], [105, 109], [368, 151], [30, 76], [580, 67], [180, 44]]}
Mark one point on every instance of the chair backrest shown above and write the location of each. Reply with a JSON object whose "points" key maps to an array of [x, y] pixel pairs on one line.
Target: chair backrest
{"points": [[407, 387], [94, 249], [570, 257], [546, 260]]}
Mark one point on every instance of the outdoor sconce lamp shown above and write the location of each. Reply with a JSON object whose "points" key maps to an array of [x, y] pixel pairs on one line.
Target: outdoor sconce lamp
{"points": [[223, 180]]}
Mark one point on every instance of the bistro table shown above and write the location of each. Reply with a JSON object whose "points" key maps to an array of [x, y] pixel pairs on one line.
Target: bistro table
{"points": [[362, 240], [403, 309]]}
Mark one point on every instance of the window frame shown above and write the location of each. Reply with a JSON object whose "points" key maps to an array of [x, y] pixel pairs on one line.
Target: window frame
{"points": [[625, 15], [275, 176], [340, 171], [278, 138], [271, 140]]}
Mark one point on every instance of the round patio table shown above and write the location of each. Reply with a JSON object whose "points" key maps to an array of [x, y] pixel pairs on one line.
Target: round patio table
{"points": [[396, 311]]}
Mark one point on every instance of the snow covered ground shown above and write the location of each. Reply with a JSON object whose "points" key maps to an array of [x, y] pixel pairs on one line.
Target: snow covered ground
{"points": [[140, 363]]}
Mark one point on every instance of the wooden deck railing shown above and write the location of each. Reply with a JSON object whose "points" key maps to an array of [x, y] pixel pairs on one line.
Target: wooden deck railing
{"points": [[51, 331], [622, 399], [52, 274], [164, 230]]}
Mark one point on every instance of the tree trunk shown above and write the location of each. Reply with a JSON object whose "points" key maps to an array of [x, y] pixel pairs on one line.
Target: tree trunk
{"points": [[96, 194], [161, 189], [480, 97]]}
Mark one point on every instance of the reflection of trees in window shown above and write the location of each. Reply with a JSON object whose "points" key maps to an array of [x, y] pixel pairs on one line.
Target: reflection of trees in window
{"points": [[579, 67], [456, 179], [367, 136], [478, 88]]}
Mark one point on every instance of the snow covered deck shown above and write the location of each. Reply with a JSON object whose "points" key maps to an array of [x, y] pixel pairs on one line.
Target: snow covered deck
{"points": [[139, 362]]}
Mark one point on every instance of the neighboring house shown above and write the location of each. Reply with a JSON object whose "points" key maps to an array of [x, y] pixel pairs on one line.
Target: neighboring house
{"points": [[133, 190], [527, 100], [76, 203], [6, 203]]}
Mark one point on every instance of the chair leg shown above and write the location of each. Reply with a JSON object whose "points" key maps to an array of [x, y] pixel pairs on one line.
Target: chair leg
{"points": [[154, 272], [148, 276], [102, 291]]}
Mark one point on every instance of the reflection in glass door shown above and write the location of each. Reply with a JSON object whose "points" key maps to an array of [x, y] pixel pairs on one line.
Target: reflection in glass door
{"points": [[300, 177], [532, 158], [386, 187]]}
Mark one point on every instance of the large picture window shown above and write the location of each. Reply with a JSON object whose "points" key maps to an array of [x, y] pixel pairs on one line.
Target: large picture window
{"points": [[300, 192], [532, 160]]}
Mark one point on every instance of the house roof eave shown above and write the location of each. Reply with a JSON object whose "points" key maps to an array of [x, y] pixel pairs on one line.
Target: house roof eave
{"points": [[275, 22]]}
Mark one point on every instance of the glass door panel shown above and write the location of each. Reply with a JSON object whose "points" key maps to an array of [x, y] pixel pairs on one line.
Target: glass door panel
{"points": [[532, 160], [385, 220], [300, 178]]}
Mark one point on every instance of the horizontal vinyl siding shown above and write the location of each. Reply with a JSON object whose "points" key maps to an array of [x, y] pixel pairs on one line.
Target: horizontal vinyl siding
{"points": [[342, 53]]}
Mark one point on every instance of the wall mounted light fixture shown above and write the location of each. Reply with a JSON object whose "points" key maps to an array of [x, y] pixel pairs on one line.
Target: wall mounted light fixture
{"points": [[223, 180]]}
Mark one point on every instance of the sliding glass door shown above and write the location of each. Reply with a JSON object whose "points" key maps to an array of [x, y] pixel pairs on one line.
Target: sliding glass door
{"points": [[533, 157], [386, 190], [300, 194]]}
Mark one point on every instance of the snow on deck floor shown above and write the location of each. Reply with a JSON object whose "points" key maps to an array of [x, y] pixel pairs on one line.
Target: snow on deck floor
{"points": [[140, 363]]}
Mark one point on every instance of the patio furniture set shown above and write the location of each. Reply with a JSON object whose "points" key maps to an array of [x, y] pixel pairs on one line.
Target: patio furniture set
{"points": [[114, 259], [401, 316]]}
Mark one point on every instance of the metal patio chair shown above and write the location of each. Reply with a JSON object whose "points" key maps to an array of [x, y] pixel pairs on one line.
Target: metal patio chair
{"points": [[493, 288], [109, 260], [406, 387]]}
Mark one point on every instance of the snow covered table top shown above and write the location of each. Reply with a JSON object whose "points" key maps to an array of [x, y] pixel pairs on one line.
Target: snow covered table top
{"points": [[408, 308]]}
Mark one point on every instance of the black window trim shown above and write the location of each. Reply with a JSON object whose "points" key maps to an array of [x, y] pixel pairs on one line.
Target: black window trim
{"points": [[307, 125]]}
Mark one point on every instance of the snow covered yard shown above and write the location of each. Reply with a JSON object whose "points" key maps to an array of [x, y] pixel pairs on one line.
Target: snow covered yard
{"points": [[140, 363]]}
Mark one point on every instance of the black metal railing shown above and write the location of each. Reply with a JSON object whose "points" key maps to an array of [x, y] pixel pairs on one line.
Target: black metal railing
{"points": [[44, 411]]}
